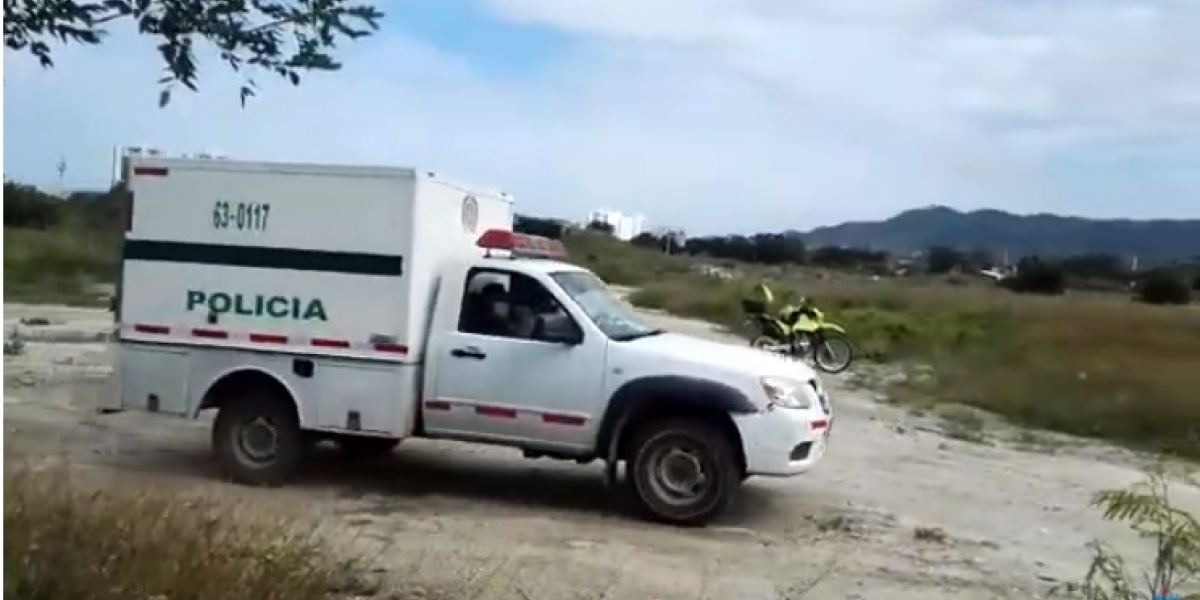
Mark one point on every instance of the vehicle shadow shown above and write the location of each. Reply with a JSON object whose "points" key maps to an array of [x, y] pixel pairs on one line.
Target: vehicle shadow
{"points": [[510, 481], [458, 478]]}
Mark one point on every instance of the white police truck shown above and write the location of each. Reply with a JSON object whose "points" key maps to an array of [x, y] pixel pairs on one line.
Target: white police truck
{"points": [[366, 305]]}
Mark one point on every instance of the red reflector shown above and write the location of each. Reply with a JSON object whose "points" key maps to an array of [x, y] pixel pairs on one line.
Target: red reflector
{"points": [[268, 338], [150, 171], [156, 329], [393, 348], [214, 334], [563, 419], [496, 411], [818, 424], [327, 343]]}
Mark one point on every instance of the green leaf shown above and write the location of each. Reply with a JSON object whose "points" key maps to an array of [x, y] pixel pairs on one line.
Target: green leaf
{"points": [[284, 37]]}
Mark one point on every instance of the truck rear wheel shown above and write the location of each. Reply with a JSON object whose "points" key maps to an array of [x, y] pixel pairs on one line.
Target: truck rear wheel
{"points": [[363, 447], [683, 471], [257, 439]]}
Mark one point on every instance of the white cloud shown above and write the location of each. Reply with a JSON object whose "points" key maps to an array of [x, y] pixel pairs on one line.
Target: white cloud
{"points": [[712, 114]]}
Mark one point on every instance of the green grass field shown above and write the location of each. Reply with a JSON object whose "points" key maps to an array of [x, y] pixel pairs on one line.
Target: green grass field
{"points": [[56, 266], [1090, 364]]}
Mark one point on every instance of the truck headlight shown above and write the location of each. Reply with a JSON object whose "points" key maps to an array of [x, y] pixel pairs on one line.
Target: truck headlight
{"points": [[785, 392]]}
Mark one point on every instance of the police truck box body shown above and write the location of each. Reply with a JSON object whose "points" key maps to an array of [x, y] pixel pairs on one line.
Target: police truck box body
{"points": [[367, 305]]}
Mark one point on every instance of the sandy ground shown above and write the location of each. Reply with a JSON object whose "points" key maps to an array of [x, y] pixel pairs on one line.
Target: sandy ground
{"points": [[899, 509]]}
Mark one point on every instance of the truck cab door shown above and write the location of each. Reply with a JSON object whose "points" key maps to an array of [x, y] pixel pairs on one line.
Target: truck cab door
{"points": [[498, 380]]}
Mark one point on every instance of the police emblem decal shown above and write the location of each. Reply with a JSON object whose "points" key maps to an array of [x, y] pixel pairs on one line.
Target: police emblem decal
{"points": [[470, 213]]}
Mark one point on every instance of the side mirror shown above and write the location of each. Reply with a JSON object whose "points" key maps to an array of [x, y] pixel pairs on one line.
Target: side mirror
{"points": [[561, 330]]}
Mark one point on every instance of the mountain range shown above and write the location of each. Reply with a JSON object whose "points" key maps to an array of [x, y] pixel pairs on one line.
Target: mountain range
{"points": [[1150, 241]]}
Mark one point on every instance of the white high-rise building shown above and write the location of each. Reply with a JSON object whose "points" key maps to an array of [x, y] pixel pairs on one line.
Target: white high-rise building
{"points": [[625, 227]]}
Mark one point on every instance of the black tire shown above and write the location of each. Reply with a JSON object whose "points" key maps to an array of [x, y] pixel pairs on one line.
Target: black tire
{"points": [[358, 447], [836, 345], [703, 443], [286, 442]]}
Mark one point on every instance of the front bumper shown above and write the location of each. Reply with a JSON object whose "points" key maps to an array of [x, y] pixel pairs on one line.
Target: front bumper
{"points": [[782, 442]]}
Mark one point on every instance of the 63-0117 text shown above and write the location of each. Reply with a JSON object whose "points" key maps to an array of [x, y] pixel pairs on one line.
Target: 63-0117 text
{"points": [[242, 216]]}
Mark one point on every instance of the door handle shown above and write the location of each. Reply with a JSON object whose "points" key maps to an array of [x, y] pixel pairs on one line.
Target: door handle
{"points": [[469, 352]]}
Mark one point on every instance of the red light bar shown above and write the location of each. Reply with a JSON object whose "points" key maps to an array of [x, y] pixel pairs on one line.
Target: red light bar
{"points": [[521, 244]]}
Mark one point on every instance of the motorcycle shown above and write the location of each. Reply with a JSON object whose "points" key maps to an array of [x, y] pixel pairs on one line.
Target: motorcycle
{"points": [[799, 332]]}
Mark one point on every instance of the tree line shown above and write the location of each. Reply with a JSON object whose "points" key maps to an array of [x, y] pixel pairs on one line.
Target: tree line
{"points": [[1030, 274], [26, 207]]}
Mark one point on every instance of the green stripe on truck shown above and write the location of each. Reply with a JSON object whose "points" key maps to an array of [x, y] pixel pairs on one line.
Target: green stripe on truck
{"points": [[261, 257]]}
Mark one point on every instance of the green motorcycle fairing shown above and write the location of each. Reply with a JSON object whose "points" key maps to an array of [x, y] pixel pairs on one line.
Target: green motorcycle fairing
{"points": [[771, 326], [834, 327], [815, 323]]}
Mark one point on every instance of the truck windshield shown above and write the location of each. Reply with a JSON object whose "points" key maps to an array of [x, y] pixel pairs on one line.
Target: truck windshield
{"points": [[615, 318]]}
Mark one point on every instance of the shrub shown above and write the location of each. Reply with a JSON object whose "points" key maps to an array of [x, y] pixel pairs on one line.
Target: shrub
{"points": [[1147, 509], [63, 541], [1035, 276], [1163, 287]]}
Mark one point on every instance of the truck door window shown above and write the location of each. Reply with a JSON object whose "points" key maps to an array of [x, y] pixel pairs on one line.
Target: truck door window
{"points": [[611, 315], [504, 304]]}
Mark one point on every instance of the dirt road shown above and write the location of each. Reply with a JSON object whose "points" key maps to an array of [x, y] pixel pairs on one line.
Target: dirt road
{"points": [[898, 511]]}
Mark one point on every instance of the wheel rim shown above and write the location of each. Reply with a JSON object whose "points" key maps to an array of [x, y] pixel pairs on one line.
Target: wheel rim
{"points": [[678, 474], [827, 357], [258, 441]]}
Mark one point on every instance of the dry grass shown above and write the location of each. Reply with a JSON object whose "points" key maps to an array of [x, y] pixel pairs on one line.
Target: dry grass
{"points": [[66, 541], [71, 539], [56, 266], [888, 320], [1087, 366], [619, 263], [1097, 365]]}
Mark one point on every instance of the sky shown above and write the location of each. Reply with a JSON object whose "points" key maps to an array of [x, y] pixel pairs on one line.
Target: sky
{"points": [[713, 116]]}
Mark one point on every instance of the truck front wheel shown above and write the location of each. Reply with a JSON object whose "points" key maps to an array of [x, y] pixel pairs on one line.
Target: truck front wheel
{"points": [[257, 439], [683, 471]]}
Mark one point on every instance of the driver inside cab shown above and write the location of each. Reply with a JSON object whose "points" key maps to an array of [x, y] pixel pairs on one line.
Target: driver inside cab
{"points": [[524, 299]]}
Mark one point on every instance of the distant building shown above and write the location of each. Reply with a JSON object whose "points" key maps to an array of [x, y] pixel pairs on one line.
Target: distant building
{"points": [[625, 227]]}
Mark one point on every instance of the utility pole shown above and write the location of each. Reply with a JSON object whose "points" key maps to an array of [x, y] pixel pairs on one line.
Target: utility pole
{"points": [[61, 167]]}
